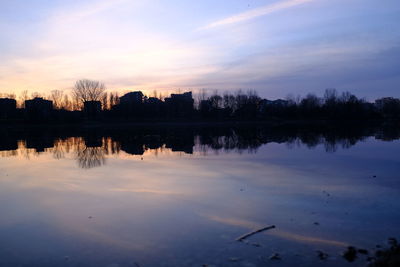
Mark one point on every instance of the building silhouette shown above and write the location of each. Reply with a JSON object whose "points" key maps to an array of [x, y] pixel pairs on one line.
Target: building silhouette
{"points": [[38, 109], [8, 108], [131, 104], [180, 105], [131, 98]]}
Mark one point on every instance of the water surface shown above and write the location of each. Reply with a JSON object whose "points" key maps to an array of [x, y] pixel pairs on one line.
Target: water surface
{"points": [[181, 197]]}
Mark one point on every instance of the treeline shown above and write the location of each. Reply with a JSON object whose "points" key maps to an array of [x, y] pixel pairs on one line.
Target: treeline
{"points": [[89, 101], [332, 105]]}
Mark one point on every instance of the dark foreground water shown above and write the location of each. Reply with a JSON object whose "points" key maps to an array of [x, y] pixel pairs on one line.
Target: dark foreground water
{"points": [[182, 196]]}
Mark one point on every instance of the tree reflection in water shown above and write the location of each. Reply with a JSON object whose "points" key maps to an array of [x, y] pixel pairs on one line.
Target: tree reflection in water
{"points": [[90, 157], [90, 147]]}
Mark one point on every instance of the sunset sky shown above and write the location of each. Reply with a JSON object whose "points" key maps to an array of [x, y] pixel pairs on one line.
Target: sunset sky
{"points": [[276, 47]]}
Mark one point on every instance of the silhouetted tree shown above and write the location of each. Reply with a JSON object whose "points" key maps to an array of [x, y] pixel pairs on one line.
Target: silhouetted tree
{"points": [[89, 96], [22, 98], [66, 103], [216, 101], [105, 101], [389, 107], [88, 90], [37, 95], [114, 99], [310, 105], [57, 97]]}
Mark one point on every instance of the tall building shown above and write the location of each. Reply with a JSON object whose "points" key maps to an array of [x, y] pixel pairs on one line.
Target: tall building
{"points": [[38, 108], [8, 108], [180, 105]]}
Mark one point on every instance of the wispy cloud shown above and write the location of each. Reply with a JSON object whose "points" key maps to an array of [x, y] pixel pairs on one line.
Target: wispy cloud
{"points": [[85, 10], [135, 44], [254, 13]]}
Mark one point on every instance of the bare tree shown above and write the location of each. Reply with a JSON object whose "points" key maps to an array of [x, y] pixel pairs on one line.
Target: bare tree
{"points": [[201, 95], [229, 102], [22, 97], [57, 97], [113, 99], [66, 103], [330, 96], [76, 104], [36, 94], [88, 90], [161, 96], [7, 95], [104, 101], [216, 101], [293, 100]]}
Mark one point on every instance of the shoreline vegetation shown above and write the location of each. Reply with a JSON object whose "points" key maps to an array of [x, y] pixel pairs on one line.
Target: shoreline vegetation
{"points": [[90, 104]]}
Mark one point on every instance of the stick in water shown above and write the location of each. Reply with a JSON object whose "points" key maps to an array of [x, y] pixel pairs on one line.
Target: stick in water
{"points": [[255, 232]]}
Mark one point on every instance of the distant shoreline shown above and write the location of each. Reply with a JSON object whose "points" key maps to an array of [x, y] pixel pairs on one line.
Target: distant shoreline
{"points": [[199, 123]]}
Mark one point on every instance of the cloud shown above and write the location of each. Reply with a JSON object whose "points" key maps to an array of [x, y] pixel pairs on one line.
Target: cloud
{"points": [[78, 41], [254, 13], [370, 70], [120, 43], [84, 11]]}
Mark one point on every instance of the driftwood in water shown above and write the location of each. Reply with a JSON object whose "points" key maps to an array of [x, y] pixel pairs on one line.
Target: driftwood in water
{"points": [[243, 237]]}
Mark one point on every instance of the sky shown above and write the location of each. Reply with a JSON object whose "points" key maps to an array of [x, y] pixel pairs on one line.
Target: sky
{"points": [[276, 47]]}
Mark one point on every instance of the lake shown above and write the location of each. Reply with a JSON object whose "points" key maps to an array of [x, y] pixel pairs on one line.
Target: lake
{"points": [[181, 196]]}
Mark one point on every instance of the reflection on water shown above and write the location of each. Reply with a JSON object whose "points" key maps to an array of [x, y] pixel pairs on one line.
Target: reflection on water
{"points": [[181, 196], [92, 145], [90, 157]]}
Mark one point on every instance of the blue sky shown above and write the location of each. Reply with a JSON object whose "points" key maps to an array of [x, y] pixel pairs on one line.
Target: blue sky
{"points": [[276, 47]]}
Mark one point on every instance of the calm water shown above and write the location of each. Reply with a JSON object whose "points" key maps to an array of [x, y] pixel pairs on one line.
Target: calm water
{"points": [[180, 197]]}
